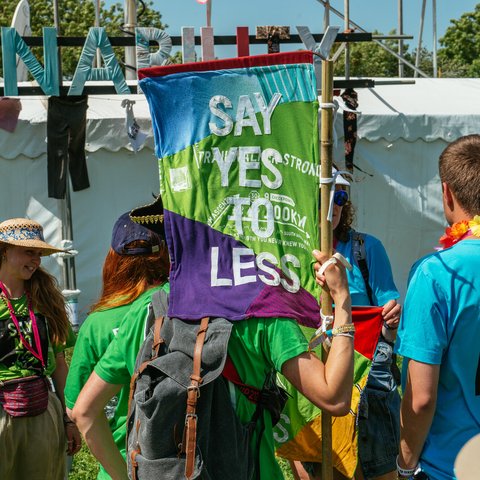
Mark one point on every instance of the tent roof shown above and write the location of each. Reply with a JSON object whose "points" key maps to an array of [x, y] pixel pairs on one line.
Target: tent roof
{"points": [[429, 109]]}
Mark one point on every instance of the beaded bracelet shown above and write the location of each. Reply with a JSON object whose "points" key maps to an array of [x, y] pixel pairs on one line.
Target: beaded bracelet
{"points": [[349, 328]]}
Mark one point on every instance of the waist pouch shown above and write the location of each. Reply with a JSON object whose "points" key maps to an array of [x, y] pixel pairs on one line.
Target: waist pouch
{"points": [[24, 397]]}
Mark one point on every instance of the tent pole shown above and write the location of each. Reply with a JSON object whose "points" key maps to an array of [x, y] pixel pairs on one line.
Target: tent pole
{"points": [[434, 16], [420, 34], [400, 40], [326, 237], [347, 45], [130, 16], [209, 13]]}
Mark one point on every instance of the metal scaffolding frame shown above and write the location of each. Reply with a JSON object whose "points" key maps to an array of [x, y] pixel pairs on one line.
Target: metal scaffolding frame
{"points": [[349, 24]]}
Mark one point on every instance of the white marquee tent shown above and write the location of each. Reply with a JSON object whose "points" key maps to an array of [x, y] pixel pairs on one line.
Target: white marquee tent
{"points": [[402, 130]]}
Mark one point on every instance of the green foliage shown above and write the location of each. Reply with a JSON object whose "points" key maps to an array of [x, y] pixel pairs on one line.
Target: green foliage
{"points": [[368, 59], [425, 65], [84, 467], [75, 18], [460, 55]]}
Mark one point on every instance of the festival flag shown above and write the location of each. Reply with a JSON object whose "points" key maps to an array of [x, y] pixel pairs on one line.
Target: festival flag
{"points": [[298, 434], [237, 143]]}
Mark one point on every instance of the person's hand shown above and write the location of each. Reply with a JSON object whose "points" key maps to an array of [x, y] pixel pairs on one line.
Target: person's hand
{"points": [[391, 314], [74, 439], [334, 278]]}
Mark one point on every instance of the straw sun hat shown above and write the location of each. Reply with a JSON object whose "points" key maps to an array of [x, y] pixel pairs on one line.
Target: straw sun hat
{"points": [[23, 232]]}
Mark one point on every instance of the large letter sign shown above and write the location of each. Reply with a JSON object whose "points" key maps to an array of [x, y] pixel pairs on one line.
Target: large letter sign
{"points": [[237, 142]]}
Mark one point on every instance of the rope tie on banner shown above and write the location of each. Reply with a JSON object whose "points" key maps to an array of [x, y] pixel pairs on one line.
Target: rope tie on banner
{"points": [[337, 104], [328, 105], [332, 181]]}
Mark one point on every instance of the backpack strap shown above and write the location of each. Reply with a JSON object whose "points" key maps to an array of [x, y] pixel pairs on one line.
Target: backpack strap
{"points": [[193, 392], [360, 255], [157, 310]]}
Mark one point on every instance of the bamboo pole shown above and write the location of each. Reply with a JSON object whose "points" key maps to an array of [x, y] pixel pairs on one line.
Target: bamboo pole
{"points": [[326, 237]]}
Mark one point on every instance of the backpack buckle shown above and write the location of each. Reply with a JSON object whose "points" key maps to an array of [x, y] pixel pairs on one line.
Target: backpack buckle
{"points": [[194, 388], [189, 416]]}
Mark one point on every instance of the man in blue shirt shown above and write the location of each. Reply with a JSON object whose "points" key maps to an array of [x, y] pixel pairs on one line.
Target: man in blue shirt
{"points": [[439, 333]]}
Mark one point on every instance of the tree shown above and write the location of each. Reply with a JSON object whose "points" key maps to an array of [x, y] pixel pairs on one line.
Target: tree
{"points": [[426, 62], [368, 59], [460, 55], [76, 17]]}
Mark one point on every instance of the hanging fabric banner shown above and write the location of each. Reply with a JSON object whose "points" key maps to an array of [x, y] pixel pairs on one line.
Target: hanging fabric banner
{"points": [[237, 142], [298, 434]]}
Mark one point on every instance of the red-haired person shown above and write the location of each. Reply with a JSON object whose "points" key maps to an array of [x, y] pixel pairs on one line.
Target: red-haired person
{"points": [[34, 332], [135, 267]]}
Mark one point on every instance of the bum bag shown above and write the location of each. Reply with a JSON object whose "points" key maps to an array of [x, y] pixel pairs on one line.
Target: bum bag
{"points": [[24, 397]]}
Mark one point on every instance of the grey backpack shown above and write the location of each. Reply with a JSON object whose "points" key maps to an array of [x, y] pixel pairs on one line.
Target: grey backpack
{"points": [[181, 422]]}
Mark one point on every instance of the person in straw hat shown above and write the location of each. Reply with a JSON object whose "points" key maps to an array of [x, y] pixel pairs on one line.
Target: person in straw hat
{"points": [[34, 332]]}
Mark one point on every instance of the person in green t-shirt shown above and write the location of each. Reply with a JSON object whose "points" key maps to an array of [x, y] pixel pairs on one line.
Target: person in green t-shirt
{"points": [[34, 332], [135, 267], [256, 346]]}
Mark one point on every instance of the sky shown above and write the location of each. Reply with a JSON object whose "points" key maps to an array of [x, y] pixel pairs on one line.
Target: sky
{"points": [[380, 15]]}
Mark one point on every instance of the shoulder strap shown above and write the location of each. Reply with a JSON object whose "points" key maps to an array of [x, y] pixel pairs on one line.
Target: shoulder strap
{"points": [[193, 392], [156, 314], [361, 257]]}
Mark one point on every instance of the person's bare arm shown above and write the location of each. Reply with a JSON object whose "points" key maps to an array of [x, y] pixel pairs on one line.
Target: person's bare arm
{"points": [[418, 407], [59, 377], [329, 385], [88, 414]]}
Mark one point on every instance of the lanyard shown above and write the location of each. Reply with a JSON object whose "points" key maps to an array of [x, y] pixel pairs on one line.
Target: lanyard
{"points": [[37, 354]]}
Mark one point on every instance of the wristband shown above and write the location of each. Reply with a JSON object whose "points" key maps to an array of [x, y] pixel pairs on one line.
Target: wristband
{"points": [[349, 335], [406, 472], [388, 327]]}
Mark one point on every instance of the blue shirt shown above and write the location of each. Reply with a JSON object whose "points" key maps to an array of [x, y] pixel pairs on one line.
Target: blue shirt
{"points": [[379, 272], [440, 325]]}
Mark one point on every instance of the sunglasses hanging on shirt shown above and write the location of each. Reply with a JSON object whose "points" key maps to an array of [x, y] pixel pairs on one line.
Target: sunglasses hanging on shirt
{"points": [[340, 197]]}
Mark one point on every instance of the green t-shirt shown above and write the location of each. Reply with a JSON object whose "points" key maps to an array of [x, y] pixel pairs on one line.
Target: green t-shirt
{"points": [[94, 338], [15, 360], [256, 347]]}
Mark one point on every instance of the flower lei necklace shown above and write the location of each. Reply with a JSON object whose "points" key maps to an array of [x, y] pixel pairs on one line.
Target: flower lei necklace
{"points": [[460, 230]]}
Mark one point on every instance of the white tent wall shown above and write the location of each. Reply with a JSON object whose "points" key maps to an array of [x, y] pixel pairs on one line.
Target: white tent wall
{"points": [[401, 202], [402, 130], [120, 179]]}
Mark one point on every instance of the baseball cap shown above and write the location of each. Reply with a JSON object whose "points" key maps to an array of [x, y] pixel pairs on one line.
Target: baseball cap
{"points": [[126, 231]]}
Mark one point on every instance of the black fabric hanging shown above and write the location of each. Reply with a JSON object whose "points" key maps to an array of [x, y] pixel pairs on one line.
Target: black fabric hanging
{"points": [[350, 98], [66, 131]]}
